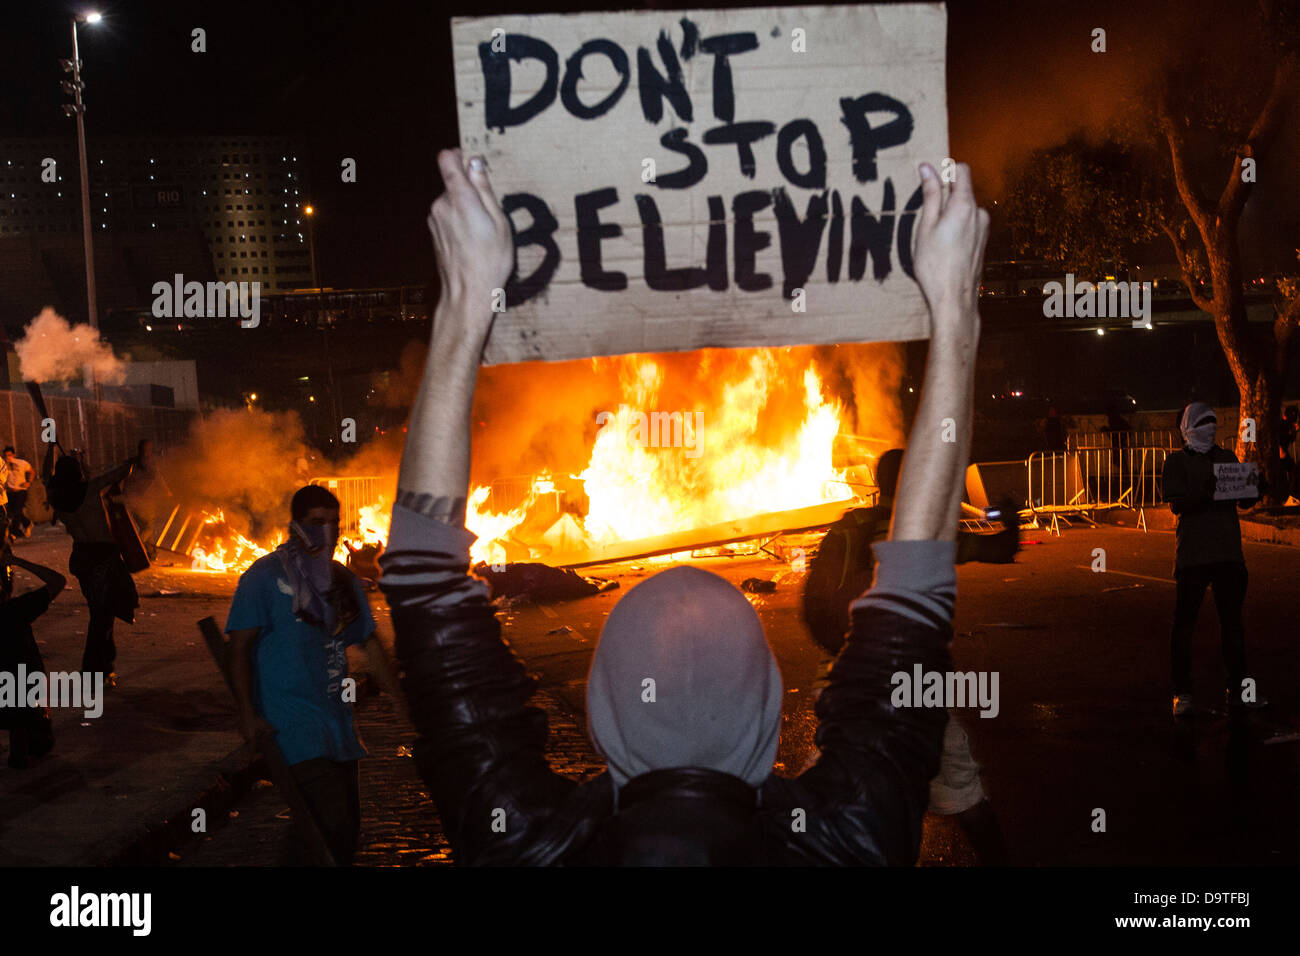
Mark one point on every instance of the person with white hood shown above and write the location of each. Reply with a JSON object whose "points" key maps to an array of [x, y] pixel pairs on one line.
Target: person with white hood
{"points": [[1208, 554], [684, 696]]}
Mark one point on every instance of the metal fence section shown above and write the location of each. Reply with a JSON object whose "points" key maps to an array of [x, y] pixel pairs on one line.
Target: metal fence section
{"points": [[353, 494], [1169, 439], [1082, 482], [108, 433]]}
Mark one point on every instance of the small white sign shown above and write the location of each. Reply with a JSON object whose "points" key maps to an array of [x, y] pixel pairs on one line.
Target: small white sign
{"points": [[1235, 480]]}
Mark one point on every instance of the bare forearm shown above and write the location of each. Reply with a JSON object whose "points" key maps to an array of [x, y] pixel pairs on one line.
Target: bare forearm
{"points": [[928, 502], [241, 674], [436, 458]]}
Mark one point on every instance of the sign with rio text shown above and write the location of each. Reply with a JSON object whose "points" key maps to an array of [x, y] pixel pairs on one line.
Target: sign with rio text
{"points": [[688, 179]]}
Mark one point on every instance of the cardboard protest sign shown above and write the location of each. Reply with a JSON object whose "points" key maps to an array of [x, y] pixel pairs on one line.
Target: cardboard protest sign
{"points": [[687, 179], [1235, 480]]}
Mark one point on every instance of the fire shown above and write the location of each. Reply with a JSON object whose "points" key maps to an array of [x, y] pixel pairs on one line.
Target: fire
{"points": [[653, 472], [681, 447], [372, 524], [225, 549], [493, 527]]}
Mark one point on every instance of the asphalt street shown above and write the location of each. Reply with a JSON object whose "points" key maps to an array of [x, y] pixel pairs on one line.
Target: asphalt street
{"points": [[1083, 722]]}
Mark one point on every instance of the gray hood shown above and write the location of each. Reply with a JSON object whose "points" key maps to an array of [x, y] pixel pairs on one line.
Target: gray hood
{"points": [[717, 688]]}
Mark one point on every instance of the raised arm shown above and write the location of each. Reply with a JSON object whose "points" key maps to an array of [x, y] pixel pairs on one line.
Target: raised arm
{"points": [[879, 751], [949, 259], [475, 253], [480, 747], [47, 466]]}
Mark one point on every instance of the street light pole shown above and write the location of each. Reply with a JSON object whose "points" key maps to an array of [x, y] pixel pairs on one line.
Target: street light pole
{"points": [[78, 109], [310, 213]]}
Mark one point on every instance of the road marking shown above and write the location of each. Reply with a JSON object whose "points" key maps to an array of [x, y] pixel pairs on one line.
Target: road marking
{"points": [[1129, 574]]}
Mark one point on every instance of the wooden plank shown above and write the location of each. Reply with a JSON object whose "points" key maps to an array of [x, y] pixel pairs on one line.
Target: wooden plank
{"points": [[741, 529], [861, 86]]}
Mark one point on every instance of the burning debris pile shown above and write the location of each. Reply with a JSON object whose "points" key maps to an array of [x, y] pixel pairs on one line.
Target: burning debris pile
{"points": [[232, 481], [659, 452], [673, 446]]}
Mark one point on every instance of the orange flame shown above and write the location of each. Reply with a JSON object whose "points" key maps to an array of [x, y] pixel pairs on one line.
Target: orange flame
{"points": [[226, 548], [761, 441], [654, 471]]}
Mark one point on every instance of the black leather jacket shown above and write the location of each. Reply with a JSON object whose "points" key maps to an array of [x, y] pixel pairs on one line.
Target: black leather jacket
{"points": [[480, 746]]}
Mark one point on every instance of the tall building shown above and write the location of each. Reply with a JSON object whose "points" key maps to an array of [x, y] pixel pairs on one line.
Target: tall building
{"points": [[157, 204]]}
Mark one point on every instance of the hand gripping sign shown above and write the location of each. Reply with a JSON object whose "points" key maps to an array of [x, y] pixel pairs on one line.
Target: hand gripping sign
{"points": [[686, 179]]}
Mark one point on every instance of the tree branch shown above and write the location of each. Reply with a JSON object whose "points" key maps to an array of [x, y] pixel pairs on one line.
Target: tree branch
{"points": [[1185, 264], [1237, 191], [1198, 207]]}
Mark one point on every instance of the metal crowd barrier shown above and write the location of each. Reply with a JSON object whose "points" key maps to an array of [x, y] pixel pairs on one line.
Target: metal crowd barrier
{"points": [[1079, 483], [353, 494], [1169, 439]]}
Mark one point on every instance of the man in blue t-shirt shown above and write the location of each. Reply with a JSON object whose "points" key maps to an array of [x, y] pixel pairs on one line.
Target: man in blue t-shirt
{"points": [[295, 613]]}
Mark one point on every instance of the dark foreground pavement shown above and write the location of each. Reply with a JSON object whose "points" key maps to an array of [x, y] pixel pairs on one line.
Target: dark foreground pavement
{"points": [[1083, 722]]}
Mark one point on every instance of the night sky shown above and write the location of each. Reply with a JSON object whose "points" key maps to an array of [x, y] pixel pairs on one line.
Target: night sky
{"points": [[373, 80]]}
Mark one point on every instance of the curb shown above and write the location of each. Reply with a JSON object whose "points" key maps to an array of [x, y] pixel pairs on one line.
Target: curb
{"points": [[235, 777], [1270, 534], [1161, 519]]}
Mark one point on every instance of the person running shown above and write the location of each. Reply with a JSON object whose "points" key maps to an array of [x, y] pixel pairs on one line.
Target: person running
{"points": [[684, 696], [17, 483]]}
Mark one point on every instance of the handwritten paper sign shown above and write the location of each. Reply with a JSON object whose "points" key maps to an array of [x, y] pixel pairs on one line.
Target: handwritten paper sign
{"points": [[686, 179], [1235, 480]]}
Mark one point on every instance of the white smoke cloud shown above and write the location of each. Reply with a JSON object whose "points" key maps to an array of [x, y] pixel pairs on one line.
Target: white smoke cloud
{"points": [[52, 350]]}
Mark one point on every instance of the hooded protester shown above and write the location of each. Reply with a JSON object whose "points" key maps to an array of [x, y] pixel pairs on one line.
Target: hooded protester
{"points": [[705, 700], [684, 697], [1208, 554], [96, 559], [294, 614]]}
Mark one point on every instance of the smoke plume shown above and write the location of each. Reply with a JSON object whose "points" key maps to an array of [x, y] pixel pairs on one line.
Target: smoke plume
{"points": [[245, 462], [51, 350]]}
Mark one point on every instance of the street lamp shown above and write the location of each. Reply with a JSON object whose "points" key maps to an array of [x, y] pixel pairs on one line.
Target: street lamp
{"points": [[310, 212], [77, 108]]}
